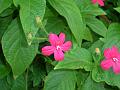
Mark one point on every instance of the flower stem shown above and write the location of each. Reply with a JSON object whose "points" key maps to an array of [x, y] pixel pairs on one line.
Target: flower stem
{"points": [[40, 24]]}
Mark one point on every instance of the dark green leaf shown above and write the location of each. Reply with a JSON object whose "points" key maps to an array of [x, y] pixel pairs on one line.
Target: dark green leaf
{"points": [[60, 80], [15, 48]]}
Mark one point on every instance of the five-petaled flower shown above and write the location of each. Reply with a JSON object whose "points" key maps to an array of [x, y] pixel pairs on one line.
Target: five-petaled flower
{"points": [[112, 59], [57, 46], [100, 2]]}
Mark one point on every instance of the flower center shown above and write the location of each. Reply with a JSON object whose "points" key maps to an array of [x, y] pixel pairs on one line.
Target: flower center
{"points": [[115, 60], [58, 47]]}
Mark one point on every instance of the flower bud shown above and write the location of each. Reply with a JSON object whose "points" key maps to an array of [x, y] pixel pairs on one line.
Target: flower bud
{"points": [[97, 50], [38, 20]]}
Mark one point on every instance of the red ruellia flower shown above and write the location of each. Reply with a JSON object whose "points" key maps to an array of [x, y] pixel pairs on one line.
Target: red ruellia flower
{"points": [[100, 2], [57, 46], [112, 59]]}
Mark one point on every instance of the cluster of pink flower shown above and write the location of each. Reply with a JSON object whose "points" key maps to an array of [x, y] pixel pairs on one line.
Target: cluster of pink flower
{"points": [[58, 46], [100, 2], [112, 59]]}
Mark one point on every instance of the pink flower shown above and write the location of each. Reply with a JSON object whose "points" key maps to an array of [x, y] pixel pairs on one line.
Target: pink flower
{"points": [[57, 46], [112, 59], [100, 2]]}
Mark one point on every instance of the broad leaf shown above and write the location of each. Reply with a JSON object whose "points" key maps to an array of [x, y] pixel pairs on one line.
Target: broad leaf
{"points": [[4, 70], [19, 84], [88, 35], [4, 23], [96, 25], [15, 48], [76, 59], [4, 4], [89, 84], [71, 12], [113, 31], [4, 84], [60, 80], [29, 10]]}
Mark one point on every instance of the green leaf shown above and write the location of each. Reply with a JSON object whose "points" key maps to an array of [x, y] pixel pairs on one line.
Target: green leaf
{"points": [[29, 10], [108, 76], [4, 4], [81, 78], [71, 12], [4, 84], [19, 84], [89, 9], [17, 53], [98, 74], [98, 44], [56, 25], [76, 59], [117, 9], [38, 73], [4, 70], [113, 31], [88, 35], [96, 25], [60, 80], [4, 23], [89, 84]]}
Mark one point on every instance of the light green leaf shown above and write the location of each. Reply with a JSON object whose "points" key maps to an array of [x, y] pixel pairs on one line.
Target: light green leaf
{"points": [[76, 59], [60, 80], [4, 4], [29, 10], [113, 31], [88, 35], [71, 12], [117, 9], [15, 48], [96, 25]]}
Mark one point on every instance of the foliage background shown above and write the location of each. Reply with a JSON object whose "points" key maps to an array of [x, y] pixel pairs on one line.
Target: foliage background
{"points": [[23, 26]]}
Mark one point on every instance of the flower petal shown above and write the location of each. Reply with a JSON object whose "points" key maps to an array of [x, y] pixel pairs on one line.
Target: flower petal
{"points": [[100, 2], [53, 38], [116, 67], [66, 46], [94, 1], [107, 53], [62, 37], [114, 51], [106, 64], [48, 50], [58, 55]]}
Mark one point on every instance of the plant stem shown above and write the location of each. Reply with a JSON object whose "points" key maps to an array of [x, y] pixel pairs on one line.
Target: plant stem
{"points": [[26, 77], [43, 28]]}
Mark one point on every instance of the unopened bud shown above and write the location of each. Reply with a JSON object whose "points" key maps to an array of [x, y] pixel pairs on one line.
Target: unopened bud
{"points": [[97, 50], [29, 38], [38, 20]]}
